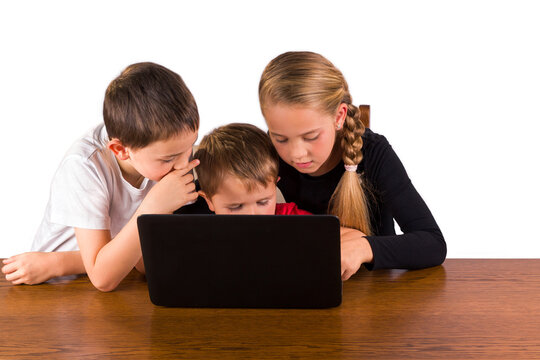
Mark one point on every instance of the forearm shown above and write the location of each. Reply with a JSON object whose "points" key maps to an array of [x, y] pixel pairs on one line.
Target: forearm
{"points": [[116, 258], [414, 250], [66, 263]]}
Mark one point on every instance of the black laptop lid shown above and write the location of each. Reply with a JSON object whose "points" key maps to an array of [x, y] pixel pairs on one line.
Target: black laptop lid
{"points": [[263, 261]]}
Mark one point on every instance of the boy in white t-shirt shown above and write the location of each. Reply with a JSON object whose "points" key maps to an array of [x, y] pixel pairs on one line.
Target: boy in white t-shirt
{"points": [[137, 162]]}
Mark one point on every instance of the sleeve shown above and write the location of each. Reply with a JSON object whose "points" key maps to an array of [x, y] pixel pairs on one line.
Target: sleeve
{"points": [[422, 244], [79, 195], [290, 209], [297, 211]]}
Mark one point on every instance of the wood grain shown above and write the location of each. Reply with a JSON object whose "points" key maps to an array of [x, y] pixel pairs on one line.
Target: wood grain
{"points": [[465, 309]]}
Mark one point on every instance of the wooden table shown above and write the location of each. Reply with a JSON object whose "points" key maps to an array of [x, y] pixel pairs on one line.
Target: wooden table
{"points": [[479, 309]]}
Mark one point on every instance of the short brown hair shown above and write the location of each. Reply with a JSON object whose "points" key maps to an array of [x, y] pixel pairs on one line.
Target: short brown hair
{"points": [[240, 150], [148, 102]]}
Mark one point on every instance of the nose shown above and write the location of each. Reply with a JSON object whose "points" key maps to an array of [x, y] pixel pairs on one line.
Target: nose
{"points": [[251, 210], [177, 166], [298, 151], [180, 163]]}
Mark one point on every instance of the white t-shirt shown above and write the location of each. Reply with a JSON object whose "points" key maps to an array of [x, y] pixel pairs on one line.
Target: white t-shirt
{"points": [[89, 192]]}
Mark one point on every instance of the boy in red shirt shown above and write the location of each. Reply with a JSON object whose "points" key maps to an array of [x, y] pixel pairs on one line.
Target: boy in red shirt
{"points": [[238, 172]]}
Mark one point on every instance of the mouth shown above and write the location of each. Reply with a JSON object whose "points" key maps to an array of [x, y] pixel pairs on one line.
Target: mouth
{"points": [[303, 165]]}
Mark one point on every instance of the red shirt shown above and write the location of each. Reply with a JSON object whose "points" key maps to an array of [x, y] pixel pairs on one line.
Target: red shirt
{"points": [[290, 209]]}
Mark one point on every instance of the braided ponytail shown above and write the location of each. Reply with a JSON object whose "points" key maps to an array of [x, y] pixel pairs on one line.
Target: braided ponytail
{"points": [[349, 201]]}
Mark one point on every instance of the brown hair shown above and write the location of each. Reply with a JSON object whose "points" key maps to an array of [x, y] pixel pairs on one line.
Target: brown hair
{"points": [[240, 150], [309, 79], [148, 102]]}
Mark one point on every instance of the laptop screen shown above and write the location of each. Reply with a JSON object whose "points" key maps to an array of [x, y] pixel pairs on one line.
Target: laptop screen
{"points": [[242, 260]]}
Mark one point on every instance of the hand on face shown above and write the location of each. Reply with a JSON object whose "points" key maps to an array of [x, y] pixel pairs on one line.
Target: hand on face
{"points": [[173, 191], [155, 160]]}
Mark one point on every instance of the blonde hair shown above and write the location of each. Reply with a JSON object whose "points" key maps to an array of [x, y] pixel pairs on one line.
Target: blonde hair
{"points": [[241, 150], [309, 79]]}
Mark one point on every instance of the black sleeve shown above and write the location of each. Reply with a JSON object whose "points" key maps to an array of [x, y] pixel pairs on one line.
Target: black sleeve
{"points": [[422, 244]]}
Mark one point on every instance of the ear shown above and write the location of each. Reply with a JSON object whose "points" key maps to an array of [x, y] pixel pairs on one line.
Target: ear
{"points": [[341, 115], [208, 201], [118, 149], [278, 178]]}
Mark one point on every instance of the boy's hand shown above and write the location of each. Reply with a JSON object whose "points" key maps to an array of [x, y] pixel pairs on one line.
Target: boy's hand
{"points": [[355, 250], [173, 191], [29, 268]]}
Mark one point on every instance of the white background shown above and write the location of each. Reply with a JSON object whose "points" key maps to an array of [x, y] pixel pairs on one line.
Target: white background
{"points": [[454, 86]]}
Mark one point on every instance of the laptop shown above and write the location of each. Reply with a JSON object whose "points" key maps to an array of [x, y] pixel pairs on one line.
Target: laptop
{"points": [[246, 261]]}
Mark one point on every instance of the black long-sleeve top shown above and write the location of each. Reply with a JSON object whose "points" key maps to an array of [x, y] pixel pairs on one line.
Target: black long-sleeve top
{"points": [[393, 197]]}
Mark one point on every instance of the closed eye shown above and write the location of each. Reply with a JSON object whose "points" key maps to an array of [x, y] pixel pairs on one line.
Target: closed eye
{"points": [[169, 159], [311, 138]]}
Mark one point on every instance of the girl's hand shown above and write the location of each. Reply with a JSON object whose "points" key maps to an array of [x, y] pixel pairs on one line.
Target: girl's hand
{"points": [[355, 250], [29, 268]]}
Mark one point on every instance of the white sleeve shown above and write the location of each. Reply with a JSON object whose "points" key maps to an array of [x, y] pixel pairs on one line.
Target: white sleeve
{"points": [[79, 195]]}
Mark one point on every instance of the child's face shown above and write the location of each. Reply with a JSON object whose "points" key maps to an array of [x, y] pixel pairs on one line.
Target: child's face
{"points": [[161, 157], [304, 137], [233, 197]]}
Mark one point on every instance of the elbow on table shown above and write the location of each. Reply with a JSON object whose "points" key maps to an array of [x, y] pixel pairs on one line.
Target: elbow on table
{"points": [[104, 284], [105, 288], [440, 253]]}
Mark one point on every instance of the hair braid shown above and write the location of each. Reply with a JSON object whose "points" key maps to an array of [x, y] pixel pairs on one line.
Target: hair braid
{"points": [[349, 201], [351, 139]]}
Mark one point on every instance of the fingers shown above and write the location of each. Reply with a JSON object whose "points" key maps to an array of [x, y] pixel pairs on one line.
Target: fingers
{"points": [[13, 276], [185, 172], [19, 281], [19, 275], [349, 266], [15, 271], [9, 268], [192, 196], [193, 164], [190, 187], [9, 260], [188, 178], [345, 272], [16, 277], [190, 166]]}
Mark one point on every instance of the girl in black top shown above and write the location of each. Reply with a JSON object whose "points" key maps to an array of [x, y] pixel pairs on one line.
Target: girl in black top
{"points": [[332, 163]]}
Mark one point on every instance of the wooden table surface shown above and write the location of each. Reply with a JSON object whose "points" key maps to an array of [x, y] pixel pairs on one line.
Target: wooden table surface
{"points": [[477, 309]]}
